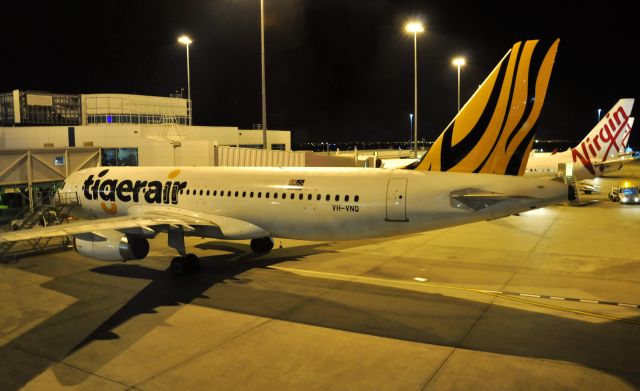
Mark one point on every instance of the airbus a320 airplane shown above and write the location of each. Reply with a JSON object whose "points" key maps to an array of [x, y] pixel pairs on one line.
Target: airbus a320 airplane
{"points": [[600, 152], [128, 205]]}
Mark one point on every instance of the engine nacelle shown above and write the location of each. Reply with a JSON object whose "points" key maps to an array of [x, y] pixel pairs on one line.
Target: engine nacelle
{"points": [[113, 246]]}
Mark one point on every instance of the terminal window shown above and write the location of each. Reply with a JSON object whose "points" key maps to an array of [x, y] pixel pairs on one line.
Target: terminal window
{"points": [[154, 119], [119, 156]]}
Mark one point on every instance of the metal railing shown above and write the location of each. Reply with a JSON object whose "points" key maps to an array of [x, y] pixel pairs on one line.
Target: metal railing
{"points": [[43, 215]]}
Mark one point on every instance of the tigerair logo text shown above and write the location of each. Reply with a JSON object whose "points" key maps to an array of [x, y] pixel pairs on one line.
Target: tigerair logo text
{"points": [[609, 135], [129, 190]]}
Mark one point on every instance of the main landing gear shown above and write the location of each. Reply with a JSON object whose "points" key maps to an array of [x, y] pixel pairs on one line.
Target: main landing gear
{"points": [[181, 266], [262, 245], [189, 263]]}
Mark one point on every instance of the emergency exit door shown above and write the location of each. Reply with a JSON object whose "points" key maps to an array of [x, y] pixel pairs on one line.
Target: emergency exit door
{"points": [[397, 200]]}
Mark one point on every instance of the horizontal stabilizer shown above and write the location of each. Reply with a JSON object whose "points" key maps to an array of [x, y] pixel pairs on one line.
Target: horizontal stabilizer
{"points": [[477, 199]]}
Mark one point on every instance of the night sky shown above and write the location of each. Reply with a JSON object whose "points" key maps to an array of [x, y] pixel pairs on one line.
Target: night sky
{"points": [[337, 70]]}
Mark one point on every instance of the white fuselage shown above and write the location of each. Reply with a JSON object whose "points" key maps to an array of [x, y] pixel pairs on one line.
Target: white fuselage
{"points": [[543, 164], [306, 203]]}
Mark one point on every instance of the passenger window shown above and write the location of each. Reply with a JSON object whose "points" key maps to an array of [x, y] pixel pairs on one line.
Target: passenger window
{"points": [[181, 191], [215, 192], [292, 196], [237, 193], [201, 191], [229, 193], [244, 194], [187, 191], [301, 196], [337, 197], [309, 197], [318, 197], [284, 195], [266, 195], [207, 192], [275, 195], [328, 197], [346, 198], [222, 193], [356, 198]]}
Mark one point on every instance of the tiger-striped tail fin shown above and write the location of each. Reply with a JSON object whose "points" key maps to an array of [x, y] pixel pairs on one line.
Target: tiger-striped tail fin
{"points": [[494, 131]]}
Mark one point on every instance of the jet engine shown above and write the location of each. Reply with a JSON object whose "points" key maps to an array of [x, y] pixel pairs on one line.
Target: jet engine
{"points": [[112, 246]]}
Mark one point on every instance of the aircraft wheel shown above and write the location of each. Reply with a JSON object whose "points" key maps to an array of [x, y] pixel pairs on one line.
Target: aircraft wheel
{"points": [[179, 266], [193, 262]]}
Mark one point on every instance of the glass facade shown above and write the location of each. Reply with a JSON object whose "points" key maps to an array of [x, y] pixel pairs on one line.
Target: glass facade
{"points": [[119, 157], [40, 108], [6, 109], [133, 119]]}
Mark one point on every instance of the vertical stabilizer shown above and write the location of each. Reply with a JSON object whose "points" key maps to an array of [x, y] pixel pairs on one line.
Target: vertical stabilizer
{"points": [[607, 139], [493, 132]]}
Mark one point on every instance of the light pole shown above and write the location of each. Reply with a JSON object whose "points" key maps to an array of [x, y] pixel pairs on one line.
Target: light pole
{"points": [[415, 28], [410, 129], [458, 61], [264, 88], [185, 40]]}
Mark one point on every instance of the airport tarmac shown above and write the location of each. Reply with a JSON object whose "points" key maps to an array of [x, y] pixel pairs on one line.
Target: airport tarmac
{"points": [[547, 300]]}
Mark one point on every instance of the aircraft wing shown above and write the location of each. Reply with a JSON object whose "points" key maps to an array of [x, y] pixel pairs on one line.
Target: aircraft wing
{"points": [[147, 221]]}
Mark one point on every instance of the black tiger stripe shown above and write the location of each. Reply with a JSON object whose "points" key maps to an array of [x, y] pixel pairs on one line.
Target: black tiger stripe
{"points": [[513, 167], [506, 116], [499, 153], [452, 154]]}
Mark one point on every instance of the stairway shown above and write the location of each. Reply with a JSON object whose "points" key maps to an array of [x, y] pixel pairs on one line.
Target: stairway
{"points": [[43, 215], [574, 191]]}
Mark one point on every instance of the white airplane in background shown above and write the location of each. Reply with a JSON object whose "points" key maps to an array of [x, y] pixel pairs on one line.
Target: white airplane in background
{"points": [[125, 206], [603, 150]]}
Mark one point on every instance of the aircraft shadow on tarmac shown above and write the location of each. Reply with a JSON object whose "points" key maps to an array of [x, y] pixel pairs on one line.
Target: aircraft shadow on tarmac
{"points": [[226, 282]]}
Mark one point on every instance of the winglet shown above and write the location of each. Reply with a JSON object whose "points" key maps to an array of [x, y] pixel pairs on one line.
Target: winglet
{"points": [[493, 132]]}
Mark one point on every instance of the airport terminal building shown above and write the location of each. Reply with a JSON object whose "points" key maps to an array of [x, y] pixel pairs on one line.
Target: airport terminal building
{"points": [[128, 129], [45, 137]]}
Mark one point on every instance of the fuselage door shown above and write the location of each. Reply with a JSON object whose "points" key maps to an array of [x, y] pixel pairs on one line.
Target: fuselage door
{"points": [[397, 200]]}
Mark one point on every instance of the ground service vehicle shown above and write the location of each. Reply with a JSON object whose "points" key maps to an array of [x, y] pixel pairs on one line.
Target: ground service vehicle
{"points": [[625, 193]]}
